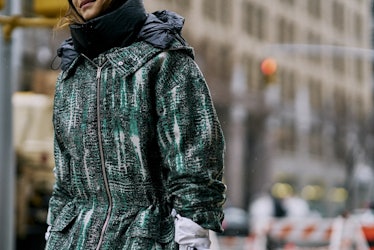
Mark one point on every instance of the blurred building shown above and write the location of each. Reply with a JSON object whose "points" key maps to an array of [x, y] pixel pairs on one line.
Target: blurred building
{"points": [[308, 130]]}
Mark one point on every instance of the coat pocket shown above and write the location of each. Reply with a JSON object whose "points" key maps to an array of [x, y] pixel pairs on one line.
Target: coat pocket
{"points": [[65, 218], [149, 223]]}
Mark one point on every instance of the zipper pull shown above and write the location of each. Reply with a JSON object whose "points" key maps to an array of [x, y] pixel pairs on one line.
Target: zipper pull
{"points": [[98, 73]]}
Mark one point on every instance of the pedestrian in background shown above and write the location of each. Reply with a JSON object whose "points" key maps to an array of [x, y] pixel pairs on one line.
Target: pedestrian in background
{"points": [[138, 146]]}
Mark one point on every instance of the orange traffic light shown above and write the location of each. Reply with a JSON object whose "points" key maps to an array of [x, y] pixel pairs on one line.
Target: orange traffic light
{"points": [[50, 8], [269, 69]]}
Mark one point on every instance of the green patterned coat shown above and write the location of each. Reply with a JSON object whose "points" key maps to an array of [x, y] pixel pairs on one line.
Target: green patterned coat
{"points": [[136, 135]]}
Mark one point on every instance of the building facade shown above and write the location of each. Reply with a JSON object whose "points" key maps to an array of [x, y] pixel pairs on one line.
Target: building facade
{"points": [[307, 132]]}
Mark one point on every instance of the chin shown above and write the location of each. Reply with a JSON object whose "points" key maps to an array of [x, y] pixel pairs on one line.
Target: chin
{"points": [[89, 15]]}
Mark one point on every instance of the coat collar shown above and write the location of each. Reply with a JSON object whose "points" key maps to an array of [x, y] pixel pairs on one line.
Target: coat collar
{"points": [[126, 59], [129, 59]]}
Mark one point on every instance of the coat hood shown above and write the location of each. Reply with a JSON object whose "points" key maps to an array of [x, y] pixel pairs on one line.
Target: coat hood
{"points": [[161, 28]]}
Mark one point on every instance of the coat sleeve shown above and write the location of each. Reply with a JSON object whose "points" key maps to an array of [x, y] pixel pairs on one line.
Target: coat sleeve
{"points": [[191, 141], [61, 197]]}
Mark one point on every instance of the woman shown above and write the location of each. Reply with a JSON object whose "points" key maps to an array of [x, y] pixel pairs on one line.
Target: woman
{"points": [[138, 147]]}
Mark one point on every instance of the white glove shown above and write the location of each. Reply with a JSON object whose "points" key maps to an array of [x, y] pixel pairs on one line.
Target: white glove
{"points": [[190, 235], [46, 235]]}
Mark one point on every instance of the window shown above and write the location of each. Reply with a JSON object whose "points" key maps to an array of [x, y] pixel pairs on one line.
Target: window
{"points": [[287, 81], [253, 73], [338, 63], [289, 2], [314, 8], [217, 10], [313, 38], [339, 143], [358, 24], [315, 140], [287, 135], [209, 8], [315, 95], [286, 31], [359, 70], [225, 62], [340, 104], [360, 109], [225, 11], [253, 20], [338, 15], [183, 4]]}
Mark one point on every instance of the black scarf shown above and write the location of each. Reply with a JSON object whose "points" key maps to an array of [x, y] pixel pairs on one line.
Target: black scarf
{"points": [[118, 28], [160, 29]]}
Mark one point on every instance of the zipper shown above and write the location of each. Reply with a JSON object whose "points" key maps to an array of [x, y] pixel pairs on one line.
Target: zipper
{"points": [[106, 182]]}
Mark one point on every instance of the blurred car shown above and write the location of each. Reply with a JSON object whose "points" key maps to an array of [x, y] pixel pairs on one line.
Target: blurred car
{"points": [[236, 222]]}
